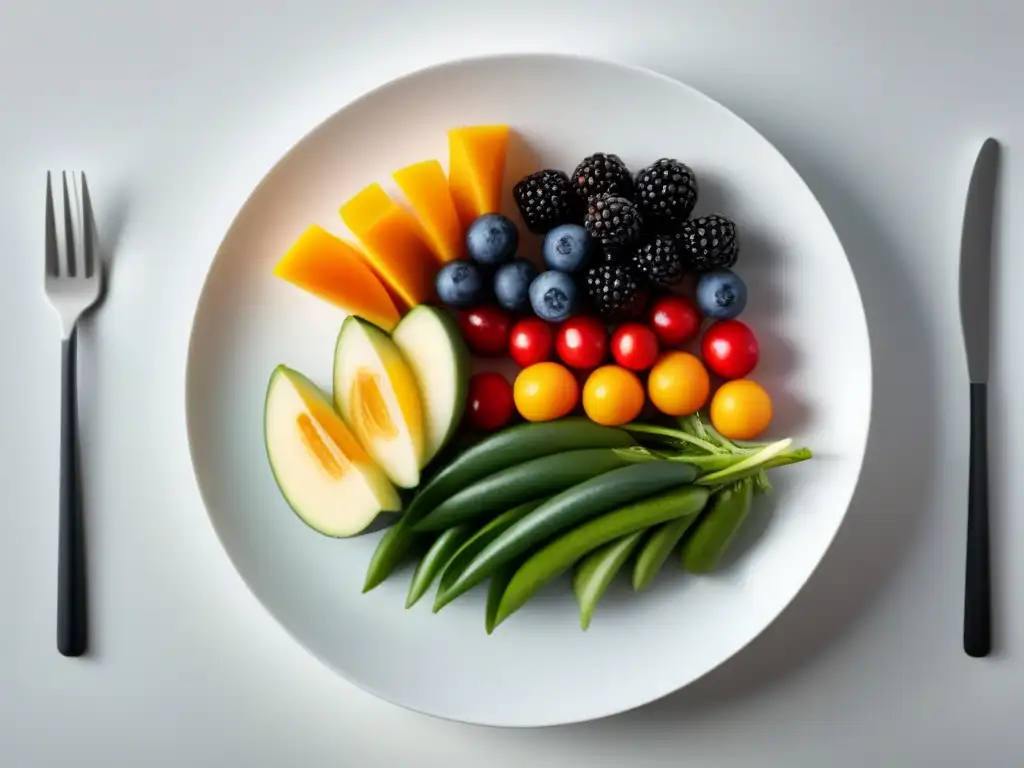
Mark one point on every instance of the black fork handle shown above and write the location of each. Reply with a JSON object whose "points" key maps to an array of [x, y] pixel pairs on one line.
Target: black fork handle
{"points": [[977, 592], [71, 592]]}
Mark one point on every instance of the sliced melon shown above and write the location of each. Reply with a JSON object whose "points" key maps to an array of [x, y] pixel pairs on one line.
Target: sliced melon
{"points": [[476, 168], [434, 349], [426, 188], [323, 472], [330, 268], [394, 243], [377, 396]]}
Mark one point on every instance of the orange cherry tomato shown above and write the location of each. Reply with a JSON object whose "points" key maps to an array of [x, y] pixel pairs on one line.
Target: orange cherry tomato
{"points": [[741, 409], [545, 391], [678, 384], [613, 396]]}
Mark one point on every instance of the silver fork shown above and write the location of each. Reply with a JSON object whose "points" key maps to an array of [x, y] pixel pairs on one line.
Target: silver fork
{"points": [[73, 285]]}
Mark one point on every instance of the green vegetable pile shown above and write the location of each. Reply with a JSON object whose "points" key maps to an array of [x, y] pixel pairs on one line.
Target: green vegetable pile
{"points": [[529, 503]]}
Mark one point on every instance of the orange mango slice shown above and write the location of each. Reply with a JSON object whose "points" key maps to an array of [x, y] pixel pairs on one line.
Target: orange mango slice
{"points": [[394, 245], [476, 168], [426, 188], [335, 271]]}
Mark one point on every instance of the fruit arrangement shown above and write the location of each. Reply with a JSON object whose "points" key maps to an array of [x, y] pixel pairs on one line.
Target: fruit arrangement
{"points": [[599, 321], [625, 447]]}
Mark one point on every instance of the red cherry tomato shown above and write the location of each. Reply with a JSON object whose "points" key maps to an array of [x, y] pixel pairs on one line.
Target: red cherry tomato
{"points": [[730, 349], [485, 330], [634, 346], [582, 342], [674, 319], [489, 402], [531, 341]]}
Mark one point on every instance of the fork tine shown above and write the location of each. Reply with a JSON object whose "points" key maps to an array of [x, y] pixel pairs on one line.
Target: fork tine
{"points": [[78, 224], [52, 253], [70, 232], [88, 230]]}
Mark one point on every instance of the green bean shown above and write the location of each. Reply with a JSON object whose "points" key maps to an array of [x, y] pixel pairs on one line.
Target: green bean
{"points": [[504, 449], [563, 512], [495, 590], [476, 544], [597, 571], [436, 558], [717, 527], [395, 545], [519, 484], [391, 550], [562, 553], [657, 549]]}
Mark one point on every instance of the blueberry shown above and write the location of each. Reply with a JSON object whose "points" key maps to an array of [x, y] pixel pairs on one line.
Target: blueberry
{"points": [[460, 284], [721, 294], [567, 248], [553, 296], [492, 239], [512, 284]]}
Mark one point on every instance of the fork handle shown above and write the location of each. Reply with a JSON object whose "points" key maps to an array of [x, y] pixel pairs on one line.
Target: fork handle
{"points": [[71, 593]]}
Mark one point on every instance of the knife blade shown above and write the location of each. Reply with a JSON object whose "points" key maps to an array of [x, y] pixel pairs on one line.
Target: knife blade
{"points": [[976, 260], [976, 319]]}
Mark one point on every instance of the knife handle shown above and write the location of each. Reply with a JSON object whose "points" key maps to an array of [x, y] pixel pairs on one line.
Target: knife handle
{"points": [[977, 592]]}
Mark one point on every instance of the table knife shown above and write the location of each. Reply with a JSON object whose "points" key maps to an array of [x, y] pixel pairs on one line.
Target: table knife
{"points": [[975, 317]]}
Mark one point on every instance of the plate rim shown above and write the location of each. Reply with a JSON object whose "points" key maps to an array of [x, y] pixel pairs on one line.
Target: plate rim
{"points": [[512, 57]]}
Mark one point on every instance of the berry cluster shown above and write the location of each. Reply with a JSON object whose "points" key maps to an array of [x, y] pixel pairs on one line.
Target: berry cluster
{"points": [[614, 247], [642, 236]]}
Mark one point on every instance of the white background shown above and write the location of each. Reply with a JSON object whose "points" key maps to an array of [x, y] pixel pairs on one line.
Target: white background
{"points": [[176, 109]]}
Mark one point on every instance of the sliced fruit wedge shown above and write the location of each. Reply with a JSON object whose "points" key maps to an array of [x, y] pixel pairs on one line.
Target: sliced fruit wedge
{"points": [[323, 472], [335, 271], [476, 168], [394, 244], [426, 188], [432, 345], [376, 394]]}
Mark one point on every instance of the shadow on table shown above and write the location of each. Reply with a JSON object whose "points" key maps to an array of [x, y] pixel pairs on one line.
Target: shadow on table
{"points": [[888, 506], [106, 218]]}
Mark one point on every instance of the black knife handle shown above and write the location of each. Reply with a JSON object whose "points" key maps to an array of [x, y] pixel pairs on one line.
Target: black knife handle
{"points": [[71, 614], [977, 593]]}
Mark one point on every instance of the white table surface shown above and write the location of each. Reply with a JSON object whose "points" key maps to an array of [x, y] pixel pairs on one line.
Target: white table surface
{"points": [[176, 109]]}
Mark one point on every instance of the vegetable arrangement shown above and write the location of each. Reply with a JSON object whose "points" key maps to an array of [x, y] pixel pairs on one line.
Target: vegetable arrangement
{"points": [[586, 482], [597, 496]]}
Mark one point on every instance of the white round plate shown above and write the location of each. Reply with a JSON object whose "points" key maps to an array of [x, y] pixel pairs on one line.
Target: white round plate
{"points": [[538, 668]]}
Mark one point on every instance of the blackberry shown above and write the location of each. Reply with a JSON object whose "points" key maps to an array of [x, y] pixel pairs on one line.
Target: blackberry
{"points": [[616, 291], [613, 220], [659, 259], [708, 243], [613, 255], [545, 200], [602, 174], [666, 193]]}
